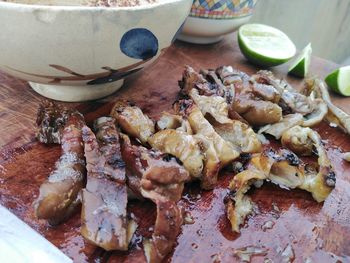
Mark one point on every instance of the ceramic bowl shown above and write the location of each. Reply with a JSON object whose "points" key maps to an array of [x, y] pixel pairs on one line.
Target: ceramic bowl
{"points": [[210, 20], [78, 53]]}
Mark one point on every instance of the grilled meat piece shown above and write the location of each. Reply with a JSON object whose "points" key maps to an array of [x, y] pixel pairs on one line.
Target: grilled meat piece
{"points": [[238, 204], [263, 86], [287, 170], [166, 229], [240, 135], [190, 80], [105, 152], [277, 129], [51, 120], [216, 110], [217, 151], [159, 177], [226, 91], [188, 149], [320, 183], [335, 115], [255, 102], [284, 169], [163, 179], [296, 102], [132, 121], [59, 194], [230, 76], [317, 115], [174, 122], [291, 100], [291, 120], [215, 106], [256, 111], [265, 92], [298, 141], [242, 82], [104, 200], [207, 84], [259, 99], [181, 145]]}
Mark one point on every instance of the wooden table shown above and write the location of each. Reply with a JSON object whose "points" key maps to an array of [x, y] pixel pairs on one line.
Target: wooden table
{"points": [[320, 232]]}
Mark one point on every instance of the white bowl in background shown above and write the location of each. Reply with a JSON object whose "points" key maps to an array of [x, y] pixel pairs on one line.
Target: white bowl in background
{"points": [[78, 53], [210, 20]]}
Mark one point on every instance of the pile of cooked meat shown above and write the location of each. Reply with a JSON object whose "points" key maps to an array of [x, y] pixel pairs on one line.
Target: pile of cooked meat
{"points": [[220, 120]]}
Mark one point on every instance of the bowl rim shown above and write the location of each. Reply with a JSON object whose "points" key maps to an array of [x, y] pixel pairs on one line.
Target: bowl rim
{"points": [[27, 7]]}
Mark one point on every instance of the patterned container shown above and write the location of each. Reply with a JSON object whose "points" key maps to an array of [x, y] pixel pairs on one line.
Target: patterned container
{"points": [[222, 9], [209, 20]]}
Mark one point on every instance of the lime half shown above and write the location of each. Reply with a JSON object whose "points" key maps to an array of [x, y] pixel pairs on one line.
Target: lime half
{"points": [[339, 81], [265, 45], [300, 66]]}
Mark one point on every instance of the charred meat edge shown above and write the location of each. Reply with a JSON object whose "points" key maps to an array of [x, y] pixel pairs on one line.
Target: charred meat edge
{"points": [[161, 178], [181, 145], [284, 169], [215, 107], [104, 200], [132, 121], [218, 152], [59, 194]]}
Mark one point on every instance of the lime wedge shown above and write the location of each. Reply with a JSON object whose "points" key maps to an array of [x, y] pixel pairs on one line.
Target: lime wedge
{"points": [[339, 81], [300, 66], [265, 45]]}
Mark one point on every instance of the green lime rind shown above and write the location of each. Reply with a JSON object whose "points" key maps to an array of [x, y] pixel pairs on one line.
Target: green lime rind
{"points": [[339, 81], [332, 80], [299, 70], [300, 66], [251, 34], [257, 58]]}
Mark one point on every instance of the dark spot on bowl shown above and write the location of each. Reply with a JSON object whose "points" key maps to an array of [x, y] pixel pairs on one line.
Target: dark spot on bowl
{"points": [[139, 43]]}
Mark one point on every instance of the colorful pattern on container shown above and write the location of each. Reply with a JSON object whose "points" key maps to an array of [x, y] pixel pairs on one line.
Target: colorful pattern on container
{"points": [[222, 9]]}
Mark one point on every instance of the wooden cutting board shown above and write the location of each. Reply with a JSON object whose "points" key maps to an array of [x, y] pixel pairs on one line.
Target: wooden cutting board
{"points": [[320, 232]]}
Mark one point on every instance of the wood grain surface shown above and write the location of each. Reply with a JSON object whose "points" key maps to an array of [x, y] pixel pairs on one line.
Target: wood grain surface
{"points": [[319, 232]]}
